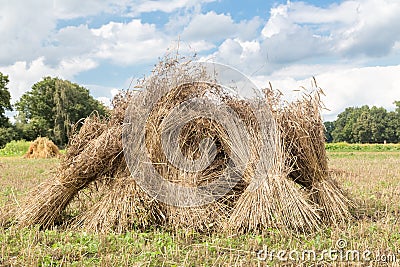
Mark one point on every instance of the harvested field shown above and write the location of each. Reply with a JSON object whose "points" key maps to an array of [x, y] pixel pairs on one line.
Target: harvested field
{"points": [[371, 177]]}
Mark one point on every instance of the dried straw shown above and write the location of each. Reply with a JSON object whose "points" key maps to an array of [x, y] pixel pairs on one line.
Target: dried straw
{"points": [[302, 130], [170, 87], [281, 181], [74, 174], [42, 148], [272, 199], [121, 206]]}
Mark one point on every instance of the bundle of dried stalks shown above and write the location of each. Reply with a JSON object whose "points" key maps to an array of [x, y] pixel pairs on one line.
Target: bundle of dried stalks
{"points": [[171, 87], [302, 131], [120, 206], [94, 156], [94, 162], [272, 199], [282, 180], [97, 158], [42, 148]]}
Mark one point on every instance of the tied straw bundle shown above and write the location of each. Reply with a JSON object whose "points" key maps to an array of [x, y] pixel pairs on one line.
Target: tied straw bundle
{"points": [[284, 182]]}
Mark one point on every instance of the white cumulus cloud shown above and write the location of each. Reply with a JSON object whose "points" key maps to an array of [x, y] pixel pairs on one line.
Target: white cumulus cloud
{"points": [[216, 27], [343, 86], [23, 75], [130, 43]]}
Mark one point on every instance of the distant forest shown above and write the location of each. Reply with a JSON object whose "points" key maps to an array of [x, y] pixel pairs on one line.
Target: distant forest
{"points": [[365, 125]]}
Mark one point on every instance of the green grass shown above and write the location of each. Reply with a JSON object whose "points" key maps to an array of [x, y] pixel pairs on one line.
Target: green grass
{"points": [[15, 148], [346, 147], [372, 178]]}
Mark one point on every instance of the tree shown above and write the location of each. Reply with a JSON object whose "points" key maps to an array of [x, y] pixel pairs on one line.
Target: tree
{"points": [[5, 99], [367, 125], [396, 120], [7, 133], [343, 126], [378, 124], [52, 107], [392, 130], [361, 127]]}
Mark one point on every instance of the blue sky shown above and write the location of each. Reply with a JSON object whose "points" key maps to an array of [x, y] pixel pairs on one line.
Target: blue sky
{"points": [[351, 47]]}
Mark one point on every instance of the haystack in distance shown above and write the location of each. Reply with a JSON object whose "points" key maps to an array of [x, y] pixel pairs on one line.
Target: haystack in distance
{"points": [[285, 184], [42, 148]]}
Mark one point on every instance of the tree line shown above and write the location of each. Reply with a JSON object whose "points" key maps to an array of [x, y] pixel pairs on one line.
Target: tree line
{"points": [[365, 125], [50, 108]]}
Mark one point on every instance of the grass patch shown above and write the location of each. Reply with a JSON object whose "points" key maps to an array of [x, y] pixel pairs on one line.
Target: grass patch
{"points": [[346, 147], [15, 148]]}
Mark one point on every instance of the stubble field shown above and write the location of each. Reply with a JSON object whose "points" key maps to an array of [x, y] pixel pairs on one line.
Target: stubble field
{"points": [[372, 178]]}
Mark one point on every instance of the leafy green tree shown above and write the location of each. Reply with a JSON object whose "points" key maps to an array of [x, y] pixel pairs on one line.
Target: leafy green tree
{"points": [[367, 125], [5, 99], [395, 117], [344, 125], [52, 107], [378, 124], [361, 127], [7, 133], [392, 126]]}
